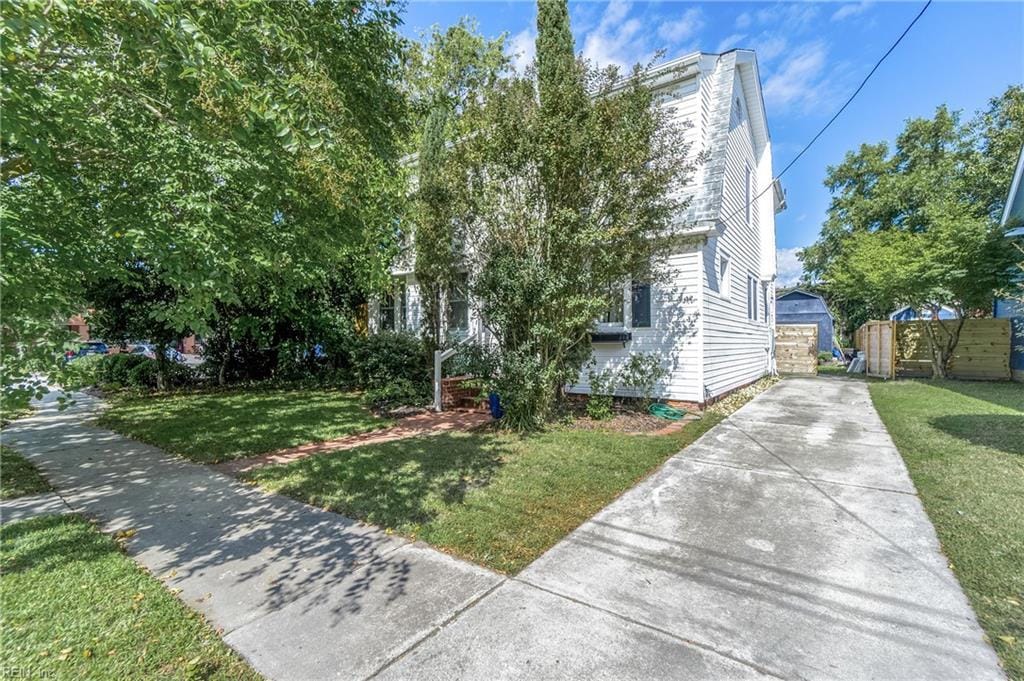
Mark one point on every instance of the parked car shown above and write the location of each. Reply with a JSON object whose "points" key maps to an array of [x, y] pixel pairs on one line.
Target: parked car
{"points": [[147, 350], [88, 348]]}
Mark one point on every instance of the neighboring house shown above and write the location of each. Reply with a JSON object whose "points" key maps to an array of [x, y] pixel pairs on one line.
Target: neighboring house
{"points": [[1013, 213], [710, 318], [909, 314], [802, 307]]}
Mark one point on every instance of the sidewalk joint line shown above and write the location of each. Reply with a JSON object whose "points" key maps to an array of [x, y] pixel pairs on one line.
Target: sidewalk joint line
{"points": [[696, 644], [796, 476], [435, 630]]}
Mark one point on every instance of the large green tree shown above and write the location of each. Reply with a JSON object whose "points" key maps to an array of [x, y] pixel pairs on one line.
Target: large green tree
{"points": [[210, 143], [453, 72], [919, 225], [573, 181]]}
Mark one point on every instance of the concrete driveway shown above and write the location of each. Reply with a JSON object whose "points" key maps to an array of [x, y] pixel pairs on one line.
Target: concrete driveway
{"points": [[788, 542]]}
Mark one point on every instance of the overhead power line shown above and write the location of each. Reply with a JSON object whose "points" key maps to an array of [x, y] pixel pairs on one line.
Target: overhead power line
{"points": [[837, 113]]}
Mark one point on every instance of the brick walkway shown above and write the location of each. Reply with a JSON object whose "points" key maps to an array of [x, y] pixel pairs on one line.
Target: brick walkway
{"points": [[411, 426]]}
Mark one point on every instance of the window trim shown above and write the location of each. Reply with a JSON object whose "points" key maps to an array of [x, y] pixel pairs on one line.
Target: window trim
{"points": [[767, 309], [751, 297], [724, 275]]}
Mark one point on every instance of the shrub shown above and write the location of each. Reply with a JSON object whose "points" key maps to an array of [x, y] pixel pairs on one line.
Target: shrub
{"points": [[83, 372], [117, 369], [474, 359], [523, 387], [642, 372], [824, 357], [602, 389], [399, 393], [382, 359], [176, 375]]}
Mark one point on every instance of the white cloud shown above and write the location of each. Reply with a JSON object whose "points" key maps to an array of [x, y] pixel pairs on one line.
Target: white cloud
{"points": [[743, 20], [615, 41], [851, 9], [729, 42], [798, 81], [768, 47], [522, 48], [686, 26], [788, 16], [790, 269]]}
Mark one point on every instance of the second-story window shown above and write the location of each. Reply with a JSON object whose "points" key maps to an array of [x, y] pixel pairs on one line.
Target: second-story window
{"points": [[748, 190]]}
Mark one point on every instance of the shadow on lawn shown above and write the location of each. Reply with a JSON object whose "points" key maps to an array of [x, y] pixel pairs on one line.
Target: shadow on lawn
{"points": [[1002, 393], [395, 484], [1002, 432]]}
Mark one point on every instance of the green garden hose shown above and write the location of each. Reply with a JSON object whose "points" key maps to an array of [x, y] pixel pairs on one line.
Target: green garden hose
{"points": [[664, 411]]}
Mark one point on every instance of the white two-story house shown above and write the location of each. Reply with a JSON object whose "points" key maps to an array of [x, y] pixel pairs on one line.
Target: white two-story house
{"points": [[709, 318]]}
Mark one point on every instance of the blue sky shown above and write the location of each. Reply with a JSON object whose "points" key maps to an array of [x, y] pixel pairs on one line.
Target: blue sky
{"points": [[811, 55]]}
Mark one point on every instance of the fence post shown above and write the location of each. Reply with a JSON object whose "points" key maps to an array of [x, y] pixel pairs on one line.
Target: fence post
{"points": [[892, 349]]}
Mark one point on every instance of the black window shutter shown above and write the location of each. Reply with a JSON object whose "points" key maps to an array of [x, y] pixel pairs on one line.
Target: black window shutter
{"points": [[641, 305]]}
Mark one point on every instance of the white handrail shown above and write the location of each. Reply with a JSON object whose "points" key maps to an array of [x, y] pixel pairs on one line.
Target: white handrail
{"points": [[439, 357]]}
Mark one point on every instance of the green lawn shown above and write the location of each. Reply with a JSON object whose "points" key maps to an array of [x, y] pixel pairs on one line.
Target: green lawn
{"points": [[75, 607], [831, 370], [217, 426], [496, 499], [18, 477], [964, 446]]}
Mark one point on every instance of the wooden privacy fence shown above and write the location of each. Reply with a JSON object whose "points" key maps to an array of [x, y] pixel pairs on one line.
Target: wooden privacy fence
{"points": [[983, 352], [796, 348], [875, 339]]}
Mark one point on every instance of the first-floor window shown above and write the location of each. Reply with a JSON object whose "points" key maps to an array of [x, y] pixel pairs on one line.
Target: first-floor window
{"points": [[402, 320], [641, 305], [393, 306], [613, 313], [458, 304], [386, 311]]}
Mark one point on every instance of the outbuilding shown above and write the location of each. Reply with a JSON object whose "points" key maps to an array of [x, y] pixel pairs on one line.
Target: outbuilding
{"points": [[801, 307]]}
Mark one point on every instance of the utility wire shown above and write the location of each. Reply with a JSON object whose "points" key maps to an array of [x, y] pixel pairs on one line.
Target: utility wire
{"points": [[834, 117]]}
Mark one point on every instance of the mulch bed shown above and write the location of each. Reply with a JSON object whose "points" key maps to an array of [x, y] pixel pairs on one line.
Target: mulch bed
{"points": [[624, 422]]}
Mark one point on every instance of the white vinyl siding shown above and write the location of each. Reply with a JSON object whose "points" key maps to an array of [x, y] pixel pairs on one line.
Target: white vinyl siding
{"points": [[736, 345], [673, 335]]}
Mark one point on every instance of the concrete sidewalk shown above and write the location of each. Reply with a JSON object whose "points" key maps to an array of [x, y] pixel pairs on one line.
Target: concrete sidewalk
{"points": [[301, 593]]}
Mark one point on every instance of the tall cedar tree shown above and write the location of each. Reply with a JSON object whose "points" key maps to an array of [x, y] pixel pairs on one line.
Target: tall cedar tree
{"points": [[575, 184]]}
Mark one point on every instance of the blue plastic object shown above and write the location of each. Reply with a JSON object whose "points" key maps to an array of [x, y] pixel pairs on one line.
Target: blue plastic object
{"points": [[496, 411]]}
